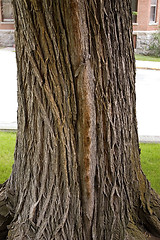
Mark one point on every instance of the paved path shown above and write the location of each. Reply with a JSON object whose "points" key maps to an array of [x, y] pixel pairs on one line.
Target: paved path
{"points": [[148, 101], [8, 89], [148, 65], [147, 91]]}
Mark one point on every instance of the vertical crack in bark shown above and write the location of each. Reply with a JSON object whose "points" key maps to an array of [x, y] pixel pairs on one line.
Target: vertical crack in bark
{"points": [[87, 142]]}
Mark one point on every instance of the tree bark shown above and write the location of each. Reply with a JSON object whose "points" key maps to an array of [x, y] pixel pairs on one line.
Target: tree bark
{"points": [[77, 172]]}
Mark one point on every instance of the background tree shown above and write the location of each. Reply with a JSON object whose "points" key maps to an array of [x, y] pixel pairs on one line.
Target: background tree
{"points": [[77, 171], [154, 48]]}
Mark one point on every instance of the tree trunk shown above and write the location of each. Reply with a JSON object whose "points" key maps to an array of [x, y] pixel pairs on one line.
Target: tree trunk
{"points": [[77, 172]]}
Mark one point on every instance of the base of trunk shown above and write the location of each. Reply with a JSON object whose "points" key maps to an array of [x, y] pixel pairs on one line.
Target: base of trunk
{"points": [[5, 217], [150, 230]]}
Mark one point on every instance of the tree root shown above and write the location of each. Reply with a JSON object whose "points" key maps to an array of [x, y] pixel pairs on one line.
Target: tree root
{"points": [[5, 217], [134, 233], [145, 221], [151, 215]]}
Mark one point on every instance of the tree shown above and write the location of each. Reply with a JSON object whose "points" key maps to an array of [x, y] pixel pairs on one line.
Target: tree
{"points": [[154, 47], [77, 172]]}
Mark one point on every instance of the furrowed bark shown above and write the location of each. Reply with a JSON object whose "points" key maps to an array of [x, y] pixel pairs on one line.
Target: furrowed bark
{"points": [[77, 171]]}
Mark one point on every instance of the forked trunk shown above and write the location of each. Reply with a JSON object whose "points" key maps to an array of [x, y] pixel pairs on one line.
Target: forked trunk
{"points": [[77, 171]]}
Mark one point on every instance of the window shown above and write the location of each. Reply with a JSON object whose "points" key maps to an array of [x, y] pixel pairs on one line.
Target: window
{"points": [[153, 12], [7, 11], [134, 10]]}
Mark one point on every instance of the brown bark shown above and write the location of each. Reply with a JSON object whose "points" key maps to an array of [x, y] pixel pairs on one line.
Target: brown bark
{"points": [[77, 171]]}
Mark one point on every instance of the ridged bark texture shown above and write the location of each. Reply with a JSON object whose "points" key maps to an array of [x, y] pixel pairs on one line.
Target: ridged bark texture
{"points": [[77, 171]]}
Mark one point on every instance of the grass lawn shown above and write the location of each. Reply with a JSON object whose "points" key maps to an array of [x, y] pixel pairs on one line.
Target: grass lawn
{"points": [[150, 159], [7, 145], [147, 58]]}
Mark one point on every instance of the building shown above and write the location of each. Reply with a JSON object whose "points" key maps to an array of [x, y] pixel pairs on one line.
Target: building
{"points": [[146, 22], [6, 24]]}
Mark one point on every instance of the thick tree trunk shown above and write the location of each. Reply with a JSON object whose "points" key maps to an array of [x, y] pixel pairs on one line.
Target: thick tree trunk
{"points": [[77, 171]]}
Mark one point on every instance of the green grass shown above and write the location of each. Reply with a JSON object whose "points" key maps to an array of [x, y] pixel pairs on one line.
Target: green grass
{"points": [[150, 159], [147, 58], [7, 145]]}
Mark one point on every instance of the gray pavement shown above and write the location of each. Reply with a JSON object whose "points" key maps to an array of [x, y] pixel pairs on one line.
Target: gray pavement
{"points": [[148, 101], [147, 90], [148, 65], [8, 89], [149, 139]]}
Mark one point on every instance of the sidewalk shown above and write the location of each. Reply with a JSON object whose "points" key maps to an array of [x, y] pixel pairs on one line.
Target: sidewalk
{"points": [[149, 139], [8, 89], [147, 65]]}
